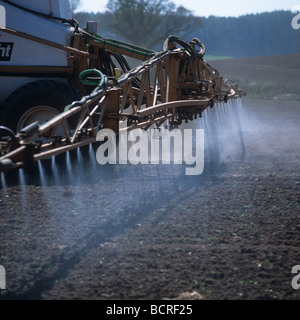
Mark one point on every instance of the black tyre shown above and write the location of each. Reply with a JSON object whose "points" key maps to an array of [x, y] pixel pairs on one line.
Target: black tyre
{"points": [[38, 100]]}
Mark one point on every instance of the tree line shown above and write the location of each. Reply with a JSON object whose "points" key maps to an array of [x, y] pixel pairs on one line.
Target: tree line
{"points": [[148, 22]]}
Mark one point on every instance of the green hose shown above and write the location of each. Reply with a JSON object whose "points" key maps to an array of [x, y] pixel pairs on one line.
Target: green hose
{"points": [[96, 82], [100, 81], [121, 45]]}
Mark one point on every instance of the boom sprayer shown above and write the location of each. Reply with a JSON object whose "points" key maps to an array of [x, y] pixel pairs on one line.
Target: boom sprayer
{"points": [[169, 87]]}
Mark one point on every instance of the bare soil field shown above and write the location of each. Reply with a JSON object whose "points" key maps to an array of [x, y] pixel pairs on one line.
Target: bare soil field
{"points": [[148, 232], [270, 77], [279, 69]]}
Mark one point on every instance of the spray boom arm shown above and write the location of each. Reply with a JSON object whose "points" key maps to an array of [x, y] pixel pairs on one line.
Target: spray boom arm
{"points": [[170, 86]]}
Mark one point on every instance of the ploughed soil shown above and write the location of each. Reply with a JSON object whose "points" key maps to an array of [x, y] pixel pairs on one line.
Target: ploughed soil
{"points": [[282, 69], [144, 232]]}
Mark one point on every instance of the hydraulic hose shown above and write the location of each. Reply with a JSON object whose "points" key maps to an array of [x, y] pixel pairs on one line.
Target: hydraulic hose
{"points": [[202, 51], [90, 77]]}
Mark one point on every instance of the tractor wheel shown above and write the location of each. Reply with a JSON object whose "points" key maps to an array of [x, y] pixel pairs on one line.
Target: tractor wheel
{"points": [[36, 101]]}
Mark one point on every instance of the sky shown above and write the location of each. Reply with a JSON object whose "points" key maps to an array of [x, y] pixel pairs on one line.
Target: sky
{"points": [[233, 8]]}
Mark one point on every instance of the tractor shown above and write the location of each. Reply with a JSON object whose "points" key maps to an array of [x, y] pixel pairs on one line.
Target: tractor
{"points": [[61, 84]]}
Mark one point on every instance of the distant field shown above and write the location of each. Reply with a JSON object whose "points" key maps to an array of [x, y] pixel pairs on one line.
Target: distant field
{"points": [[269, 68], [270, 76], [209, 58]]}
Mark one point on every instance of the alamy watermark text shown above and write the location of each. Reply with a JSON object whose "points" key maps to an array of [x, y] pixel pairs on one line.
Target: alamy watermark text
{"points": [[2, 278], [155, 146], [296, 18]]}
